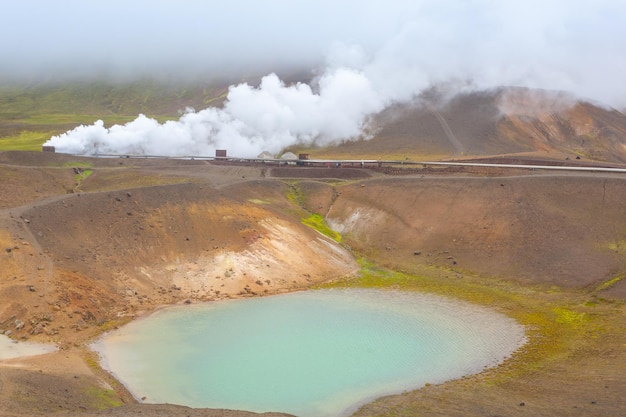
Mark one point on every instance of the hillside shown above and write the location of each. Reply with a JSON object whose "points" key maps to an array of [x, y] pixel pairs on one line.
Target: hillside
{"points": [[436, 125], [88, 244], [499, 122], [86, 254], [31, 114]]}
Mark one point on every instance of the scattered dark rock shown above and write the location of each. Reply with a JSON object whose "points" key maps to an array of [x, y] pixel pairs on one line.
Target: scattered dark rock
{"points": [[79, 325], [9, 250], [31, 288], [417, 252], [88, 315], [522, 404]]}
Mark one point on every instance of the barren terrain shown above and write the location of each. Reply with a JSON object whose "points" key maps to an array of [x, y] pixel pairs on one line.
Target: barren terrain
{"points": [[494, 122], [83, 254]]}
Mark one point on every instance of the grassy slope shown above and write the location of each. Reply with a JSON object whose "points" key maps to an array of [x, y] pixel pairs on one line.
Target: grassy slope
{"points": [[29, 115]]}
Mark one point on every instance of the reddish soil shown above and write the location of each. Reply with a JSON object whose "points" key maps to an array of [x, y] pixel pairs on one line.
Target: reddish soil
{"points": [[82, 256], [496, 122]]}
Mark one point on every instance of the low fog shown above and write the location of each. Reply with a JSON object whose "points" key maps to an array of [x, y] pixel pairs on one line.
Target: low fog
{"points": [[364, 55]]}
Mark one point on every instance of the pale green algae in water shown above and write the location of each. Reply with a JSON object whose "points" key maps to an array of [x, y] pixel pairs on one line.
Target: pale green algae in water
{"points": [[314, 353]]}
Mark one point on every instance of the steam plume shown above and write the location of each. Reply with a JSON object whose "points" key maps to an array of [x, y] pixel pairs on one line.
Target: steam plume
{"points": [[266, 118], [417, 44]]}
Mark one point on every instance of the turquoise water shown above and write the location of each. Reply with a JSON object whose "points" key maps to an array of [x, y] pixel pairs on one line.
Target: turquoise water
{"points": [[314, 353]]}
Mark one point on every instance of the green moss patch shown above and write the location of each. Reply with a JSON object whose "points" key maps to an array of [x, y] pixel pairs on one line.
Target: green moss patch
{"points": [[611, 282], [313, 220], [318, 223], [83, 175], [258, 201], [76, 164], [24, 141], [295, 195], [618, 247], [102, 399], [556, 327]]}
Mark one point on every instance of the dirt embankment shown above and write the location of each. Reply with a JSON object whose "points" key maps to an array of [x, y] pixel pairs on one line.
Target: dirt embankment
{"points": [[561, 230], [75, 264], [94, 258], [135, 236]]}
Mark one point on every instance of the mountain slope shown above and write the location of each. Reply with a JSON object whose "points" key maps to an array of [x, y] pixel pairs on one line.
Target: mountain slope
{"points": [[436, 125], [497, 122]]}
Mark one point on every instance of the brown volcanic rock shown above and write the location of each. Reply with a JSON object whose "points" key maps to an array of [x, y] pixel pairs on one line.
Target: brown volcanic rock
{"points": [[495, 122], [131, 250], [557, 122]]}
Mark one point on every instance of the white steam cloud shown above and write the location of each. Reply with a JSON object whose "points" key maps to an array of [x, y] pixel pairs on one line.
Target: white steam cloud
{"points": [[253, 120], [403, 47]]}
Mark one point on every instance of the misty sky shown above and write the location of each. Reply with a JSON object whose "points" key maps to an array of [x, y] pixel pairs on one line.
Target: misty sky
{"points": [[576, 45]]}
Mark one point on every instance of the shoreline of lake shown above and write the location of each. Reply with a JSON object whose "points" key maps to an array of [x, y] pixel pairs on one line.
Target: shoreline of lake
{"points": [[107, 353]]}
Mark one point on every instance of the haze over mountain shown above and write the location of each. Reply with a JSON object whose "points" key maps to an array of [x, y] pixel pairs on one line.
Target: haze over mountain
{"points": [[434, 125], [499, 122], [361, 60], [402, 46]]}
